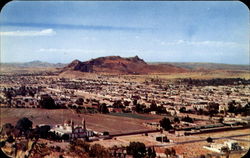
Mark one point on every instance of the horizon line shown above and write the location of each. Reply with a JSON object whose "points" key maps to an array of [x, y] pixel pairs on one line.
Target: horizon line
{"points": [[160, 62]]}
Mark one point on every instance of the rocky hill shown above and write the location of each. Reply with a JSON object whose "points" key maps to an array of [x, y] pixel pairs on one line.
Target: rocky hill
{"points": [[120, 65]]}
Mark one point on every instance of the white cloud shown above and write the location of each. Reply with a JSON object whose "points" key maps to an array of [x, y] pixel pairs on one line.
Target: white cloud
{"points": [[202, 43], [45, 32]]}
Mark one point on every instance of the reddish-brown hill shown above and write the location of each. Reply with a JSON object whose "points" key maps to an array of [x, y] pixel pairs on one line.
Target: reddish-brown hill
{"points": [[119, 65]]}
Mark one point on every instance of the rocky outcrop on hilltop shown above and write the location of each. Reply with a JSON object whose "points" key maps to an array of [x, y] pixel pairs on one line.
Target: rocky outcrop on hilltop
{"points": [[120, 65]]}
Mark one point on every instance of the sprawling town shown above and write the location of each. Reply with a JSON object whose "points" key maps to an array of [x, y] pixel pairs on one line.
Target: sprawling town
{"points": [[119, 115], [124, 79]]}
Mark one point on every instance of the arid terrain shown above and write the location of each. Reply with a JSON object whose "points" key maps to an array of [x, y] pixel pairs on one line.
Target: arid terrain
{"points": [[122, 100]]}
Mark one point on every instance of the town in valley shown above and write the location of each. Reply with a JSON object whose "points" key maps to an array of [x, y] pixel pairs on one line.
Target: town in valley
{"points": [[48, 114], [124, 79]]}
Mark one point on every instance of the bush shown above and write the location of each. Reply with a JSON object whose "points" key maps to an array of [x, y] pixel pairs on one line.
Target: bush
{"points": [[166, 124], [47, 102], [24, 124], [187, 119]]}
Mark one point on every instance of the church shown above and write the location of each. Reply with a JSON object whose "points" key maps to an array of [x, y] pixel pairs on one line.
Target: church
{"points": [[72, 130]]}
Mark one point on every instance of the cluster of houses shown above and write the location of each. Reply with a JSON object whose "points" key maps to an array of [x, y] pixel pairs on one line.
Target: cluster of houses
{"points": [[172, 97]]}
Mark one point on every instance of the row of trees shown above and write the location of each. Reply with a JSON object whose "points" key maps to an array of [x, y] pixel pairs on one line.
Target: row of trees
{"points": [[23, 91]]}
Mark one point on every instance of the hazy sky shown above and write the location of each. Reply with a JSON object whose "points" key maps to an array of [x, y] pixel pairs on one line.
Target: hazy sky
{"points": [[155, 31]]}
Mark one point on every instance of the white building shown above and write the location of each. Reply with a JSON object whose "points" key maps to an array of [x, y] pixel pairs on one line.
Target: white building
{"points": [[73, 131]]}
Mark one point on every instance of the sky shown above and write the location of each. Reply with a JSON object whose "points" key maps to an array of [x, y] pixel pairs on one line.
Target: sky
{"points": [[163, 31]]}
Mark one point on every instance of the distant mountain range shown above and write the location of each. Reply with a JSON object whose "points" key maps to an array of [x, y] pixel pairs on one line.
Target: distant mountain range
{"points": [[33, 64], [131, 65]]}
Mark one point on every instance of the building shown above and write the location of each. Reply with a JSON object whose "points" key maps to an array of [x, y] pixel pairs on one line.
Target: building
{"points": [[230, 145], [80, 131], [72, 130]]}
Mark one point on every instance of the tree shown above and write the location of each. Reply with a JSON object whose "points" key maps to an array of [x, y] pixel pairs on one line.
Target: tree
{"points": [[187, 119], [118, 104], [200, 112], [7, 129], [24, 124], [213, 108], [166, 124], [161, 110], [209, 140], [2, 144], [79, 101], [137, 149], [151, 153], [103, 108], [8, 94], [232, 106], [153, 106], [139, 108], [10, 139], [176, 120], [47, 102], [183, 109], [126, 103], [42, 131]]}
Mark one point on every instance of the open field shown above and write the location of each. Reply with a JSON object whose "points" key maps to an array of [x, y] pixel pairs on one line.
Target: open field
{"points": [[96, 122]]}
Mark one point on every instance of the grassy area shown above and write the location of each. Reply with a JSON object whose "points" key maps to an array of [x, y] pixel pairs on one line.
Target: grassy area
{"points": [[130, 115]]}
